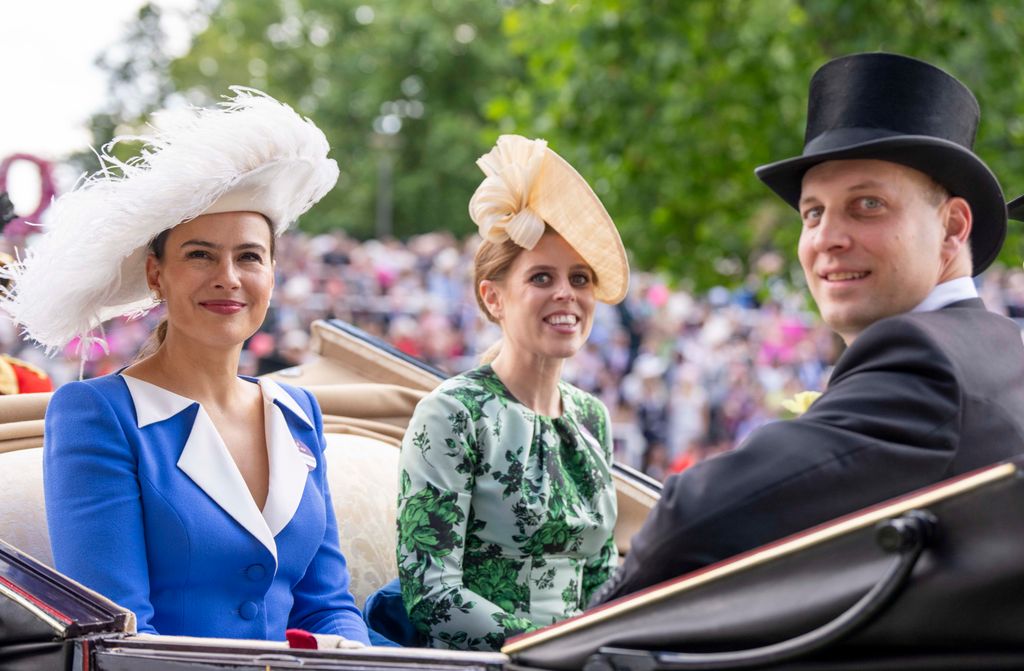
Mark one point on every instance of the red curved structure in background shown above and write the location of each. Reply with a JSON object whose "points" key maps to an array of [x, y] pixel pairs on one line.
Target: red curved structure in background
{"points": [[20, 226]]}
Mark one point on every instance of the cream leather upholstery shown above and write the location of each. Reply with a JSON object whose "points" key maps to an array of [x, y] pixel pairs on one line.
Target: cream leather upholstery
{"points": [[364, 484], [22, 513]]}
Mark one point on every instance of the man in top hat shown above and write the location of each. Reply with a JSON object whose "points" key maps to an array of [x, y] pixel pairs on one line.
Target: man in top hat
{"points": [[898, 214]]}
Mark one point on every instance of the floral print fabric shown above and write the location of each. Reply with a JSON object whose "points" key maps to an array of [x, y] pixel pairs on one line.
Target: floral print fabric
{"points": [[505, 517]]}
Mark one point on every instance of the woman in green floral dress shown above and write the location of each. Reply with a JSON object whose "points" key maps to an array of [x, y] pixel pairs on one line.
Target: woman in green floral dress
{"points": [[506, 502]]}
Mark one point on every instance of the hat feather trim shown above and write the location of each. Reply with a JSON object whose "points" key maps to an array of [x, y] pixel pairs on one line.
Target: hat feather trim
{"points": [[89, 264]]}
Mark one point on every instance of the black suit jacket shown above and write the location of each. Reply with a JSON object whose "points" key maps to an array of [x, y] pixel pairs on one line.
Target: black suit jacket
{"points": [[916, 398]]}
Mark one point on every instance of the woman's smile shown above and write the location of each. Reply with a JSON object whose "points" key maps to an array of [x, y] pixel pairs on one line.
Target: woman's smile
{"points": [[223, 307], [563, 322]]}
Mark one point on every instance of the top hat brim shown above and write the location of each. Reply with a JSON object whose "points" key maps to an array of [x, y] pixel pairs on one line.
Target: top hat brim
{"points": [[1016, 208], [957, 169]]}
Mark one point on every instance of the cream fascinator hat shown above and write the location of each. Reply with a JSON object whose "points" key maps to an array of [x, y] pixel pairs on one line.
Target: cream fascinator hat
{"points": [[251, 153], [528, 186]]}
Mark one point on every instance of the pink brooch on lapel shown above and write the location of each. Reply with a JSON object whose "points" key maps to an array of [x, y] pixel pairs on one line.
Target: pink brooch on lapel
{"points": [[307, 455]]}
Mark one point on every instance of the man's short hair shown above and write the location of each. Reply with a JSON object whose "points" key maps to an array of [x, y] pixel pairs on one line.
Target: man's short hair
{"points": [[935, 193]]}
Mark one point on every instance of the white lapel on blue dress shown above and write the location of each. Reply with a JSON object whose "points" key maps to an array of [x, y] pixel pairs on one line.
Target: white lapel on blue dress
{"points": [[288, 463], [205, 458]]}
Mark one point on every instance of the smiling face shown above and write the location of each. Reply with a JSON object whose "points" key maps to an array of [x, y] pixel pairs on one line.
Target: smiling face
{"points": [[545, 302], [216, 275], [877, 238]]}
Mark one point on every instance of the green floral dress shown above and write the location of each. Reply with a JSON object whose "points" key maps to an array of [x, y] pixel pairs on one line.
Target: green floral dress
{"points": [[505, 517]]}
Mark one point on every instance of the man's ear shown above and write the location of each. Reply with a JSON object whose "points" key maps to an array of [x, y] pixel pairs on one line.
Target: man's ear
{"points": [[490, 294], [957, 223]]}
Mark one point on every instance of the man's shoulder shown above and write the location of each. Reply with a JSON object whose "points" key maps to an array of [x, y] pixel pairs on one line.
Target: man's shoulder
{"points": [[947, 338], [967, 322]]}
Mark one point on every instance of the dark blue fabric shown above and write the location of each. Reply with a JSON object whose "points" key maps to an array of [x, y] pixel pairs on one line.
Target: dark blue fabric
{"points": [[385, 616], [379, 640]]}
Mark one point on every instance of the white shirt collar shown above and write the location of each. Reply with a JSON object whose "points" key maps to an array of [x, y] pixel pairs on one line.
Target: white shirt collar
{"points": [[947, 293], [155, 404]]}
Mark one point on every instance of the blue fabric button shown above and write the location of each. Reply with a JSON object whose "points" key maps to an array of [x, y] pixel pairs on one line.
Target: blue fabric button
{"points": [[248, 610], [255, 572]]}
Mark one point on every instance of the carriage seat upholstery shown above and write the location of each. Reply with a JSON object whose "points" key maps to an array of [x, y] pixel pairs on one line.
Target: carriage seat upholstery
{"points": [[363, 423], [362, 466]]}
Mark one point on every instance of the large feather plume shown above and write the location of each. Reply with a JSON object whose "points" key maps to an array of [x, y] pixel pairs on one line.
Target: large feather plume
{"points": [[89, 264]]}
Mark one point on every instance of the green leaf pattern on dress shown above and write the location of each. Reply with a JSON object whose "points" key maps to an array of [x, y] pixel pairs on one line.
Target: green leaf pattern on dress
{"points": [[505, 516]]}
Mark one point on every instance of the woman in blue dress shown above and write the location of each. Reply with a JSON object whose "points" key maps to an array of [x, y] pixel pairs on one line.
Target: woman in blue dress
{"points": [[192, 496]]}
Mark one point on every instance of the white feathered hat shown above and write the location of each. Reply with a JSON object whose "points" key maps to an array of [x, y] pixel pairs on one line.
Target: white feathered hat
{"points": [[252, 153], [528, 185]]}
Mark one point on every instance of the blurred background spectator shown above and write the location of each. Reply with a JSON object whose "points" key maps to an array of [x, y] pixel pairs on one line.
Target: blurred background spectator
{"points": [[685, 375]]}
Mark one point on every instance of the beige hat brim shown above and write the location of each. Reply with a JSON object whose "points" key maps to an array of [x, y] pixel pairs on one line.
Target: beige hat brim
{"points": [[564, 200]]}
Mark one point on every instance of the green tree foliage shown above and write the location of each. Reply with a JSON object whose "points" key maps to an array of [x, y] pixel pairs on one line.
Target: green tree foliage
{"points": [[137, 84], [399, 88], [669, 106], [665, 106]]}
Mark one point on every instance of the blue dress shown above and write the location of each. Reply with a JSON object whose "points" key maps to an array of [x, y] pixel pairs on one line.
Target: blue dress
{"points": [[146, 506]]}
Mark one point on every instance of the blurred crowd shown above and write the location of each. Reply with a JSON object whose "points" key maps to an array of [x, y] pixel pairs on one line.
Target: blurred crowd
{"points": [[685, 375]]}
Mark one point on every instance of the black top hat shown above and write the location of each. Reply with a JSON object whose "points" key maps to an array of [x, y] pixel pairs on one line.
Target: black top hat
{"points": [[898, 109]]}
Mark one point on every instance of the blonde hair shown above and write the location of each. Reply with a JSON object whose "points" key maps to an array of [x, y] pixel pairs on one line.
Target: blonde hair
{"points": [[492, 262]]}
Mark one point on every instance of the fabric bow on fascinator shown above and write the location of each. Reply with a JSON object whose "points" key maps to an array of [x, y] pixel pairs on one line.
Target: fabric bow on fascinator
{"points": [[500, 206]]}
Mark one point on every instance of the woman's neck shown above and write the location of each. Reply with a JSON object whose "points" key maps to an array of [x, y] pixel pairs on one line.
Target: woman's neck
{"points": [[204, 375], [532, 379]]}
